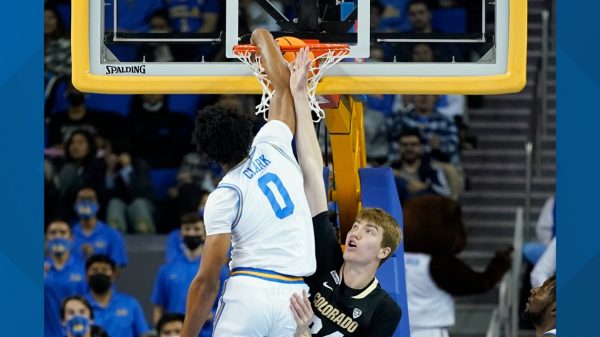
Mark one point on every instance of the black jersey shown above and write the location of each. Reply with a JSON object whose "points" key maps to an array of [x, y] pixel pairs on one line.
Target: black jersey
{"points": [[339, 310]]}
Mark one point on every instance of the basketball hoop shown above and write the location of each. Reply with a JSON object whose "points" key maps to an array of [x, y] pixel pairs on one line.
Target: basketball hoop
{"points": [[325, 56]]}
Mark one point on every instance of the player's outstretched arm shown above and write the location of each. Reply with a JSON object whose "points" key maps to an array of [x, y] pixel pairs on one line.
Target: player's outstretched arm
{"points": [[281, 106], [307, 145], [205, 286]]}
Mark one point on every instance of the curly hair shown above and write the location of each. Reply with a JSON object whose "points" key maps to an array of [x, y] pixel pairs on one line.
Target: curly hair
{"points": [[223, 134]]}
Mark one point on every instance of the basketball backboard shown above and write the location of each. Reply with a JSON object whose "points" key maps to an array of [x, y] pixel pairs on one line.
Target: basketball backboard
{"points": [[479, 49]]}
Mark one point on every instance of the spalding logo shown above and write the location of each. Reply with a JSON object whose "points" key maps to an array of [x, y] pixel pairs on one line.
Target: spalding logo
{"points": [[125, 70]]}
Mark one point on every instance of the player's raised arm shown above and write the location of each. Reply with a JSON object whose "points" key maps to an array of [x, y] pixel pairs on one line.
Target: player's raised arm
{"points": [[307, 145], [281, 106], [327, 249]]}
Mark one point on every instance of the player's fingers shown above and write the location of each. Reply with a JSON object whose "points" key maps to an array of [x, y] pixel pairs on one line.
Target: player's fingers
{"points": [[296, 317], [294, 312], [298, 309], [305, 305], [300, 57], [305, 58]]}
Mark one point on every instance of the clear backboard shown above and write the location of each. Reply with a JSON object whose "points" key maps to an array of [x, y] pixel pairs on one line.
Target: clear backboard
{"points": [[400, 46]]}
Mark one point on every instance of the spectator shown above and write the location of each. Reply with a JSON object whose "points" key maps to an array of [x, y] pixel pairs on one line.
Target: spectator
{"points": [[376, 109], [160, 137], [77, 316], [376, 14], [197, 176], [448, 105], [57, 46], [193, 16], [244, 103], [62, 124], [414, 174], [174, 241], [175, 277], [159, 52], [133, 17], [541, 308], [419, 14], [51, 192], [81, 168], [92, 236], [63, 275], [536, 271], [451, 106], [119, 314], [375, 131], [546, 265], [545, 229], [439, 131], [170, 325], [130, 191], [420, 18]]}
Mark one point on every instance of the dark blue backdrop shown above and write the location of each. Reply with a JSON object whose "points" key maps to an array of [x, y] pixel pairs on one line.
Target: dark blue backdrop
{"points": [[21, 167], [578, 166]]}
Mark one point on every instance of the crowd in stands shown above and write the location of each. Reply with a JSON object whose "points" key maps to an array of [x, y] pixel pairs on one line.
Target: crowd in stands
{"points": [[124, 164], [135, 151]]}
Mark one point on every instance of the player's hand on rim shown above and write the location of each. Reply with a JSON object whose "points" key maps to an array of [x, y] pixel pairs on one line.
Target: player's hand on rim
{"points": [[303, 314], [299, 71]]}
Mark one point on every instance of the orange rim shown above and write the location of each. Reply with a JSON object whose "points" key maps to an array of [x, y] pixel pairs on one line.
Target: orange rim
{"points": [[313, 47]]}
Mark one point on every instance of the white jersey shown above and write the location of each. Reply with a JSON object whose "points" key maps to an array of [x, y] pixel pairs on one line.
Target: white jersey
{"points": [[261, 202], [428, 305]]}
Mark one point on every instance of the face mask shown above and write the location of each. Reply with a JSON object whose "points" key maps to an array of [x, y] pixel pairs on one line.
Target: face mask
{"points": [[78, 326], [152, 107], [86, 209], [100, 283], [192, 242], [58, 246], [75, 98]]}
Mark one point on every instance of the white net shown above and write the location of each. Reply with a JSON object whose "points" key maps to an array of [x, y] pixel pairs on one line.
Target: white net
{"points": [[318, 67]]}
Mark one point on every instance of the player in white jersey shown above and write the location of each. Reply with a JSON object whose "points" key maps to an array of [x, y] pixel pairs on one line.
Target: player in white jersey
{"points": [[259, 208], [541, 308]]}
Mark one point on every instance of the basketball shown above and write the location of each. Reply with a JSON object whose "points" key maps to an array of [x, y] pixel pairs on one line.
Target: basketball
{"points": [[292, 41]]}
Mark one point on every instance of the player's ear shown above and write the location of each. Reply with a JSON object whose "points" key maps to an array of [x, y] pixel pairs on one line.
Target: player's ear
{"points": [[384, 252], [553, 309]]}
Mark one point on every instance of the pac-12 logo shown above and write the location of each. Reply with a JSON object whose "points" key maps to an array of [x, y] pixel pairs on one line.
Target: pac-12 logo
{"points": [[125, 70]]}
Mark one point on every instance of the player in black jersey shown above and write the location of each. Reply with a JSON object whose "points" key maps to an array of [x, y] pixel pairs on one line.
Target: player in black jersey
{"points": [[345, 296]]}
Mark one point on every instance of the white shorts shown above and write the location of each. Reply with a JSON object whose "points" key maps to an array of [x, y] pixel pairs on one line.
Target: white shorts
{"points": [[256, 303], [428, 332]]}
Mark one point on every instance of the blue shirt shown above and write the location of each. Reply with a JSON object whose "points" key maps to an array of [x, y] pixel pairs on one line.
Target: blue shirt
{"points": [[122, 317], [172, 283], [381, 103], [174, 246], [186, 15], [103, 239], [58, 284]]}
